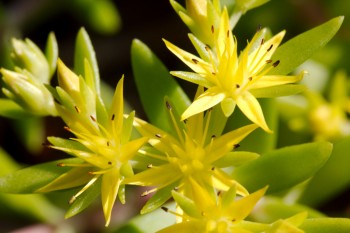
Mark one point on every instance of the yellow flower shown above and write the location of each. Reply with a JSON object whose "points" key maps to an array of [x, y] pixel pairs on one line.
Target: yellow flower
{"points": [[191, 153], [231, 79], [205, 214], [101, 142]]}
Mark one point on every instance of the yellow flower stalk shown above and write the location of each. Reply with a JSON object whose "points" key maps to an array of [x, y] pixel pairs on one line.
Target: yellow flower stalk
{"points": [[102, 140], [232, 80], [187, 156]]}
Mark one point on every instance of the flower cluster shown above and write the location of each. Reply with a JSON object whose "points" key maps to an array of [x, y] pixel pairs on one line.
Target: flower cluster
{"points": [[196, 159]]}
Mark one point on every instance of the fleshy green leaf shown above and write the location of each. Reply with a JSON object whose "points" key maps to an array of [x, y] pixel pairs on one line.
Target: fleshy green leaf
{"points": [[158, 199], [51, 52], [283, 168], [326, 225], [11, 110], [270, 209], [85, 199], [300, 48], [149, 223], [28, 180], [335, 175], [84, 50], [154, 82]]}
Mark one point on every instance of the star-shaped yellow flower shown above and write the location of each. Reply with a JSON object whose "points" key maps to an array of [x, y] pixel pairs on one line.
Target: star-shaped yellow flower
{"points": [[101, 142], [190, 153], [231, 79]]}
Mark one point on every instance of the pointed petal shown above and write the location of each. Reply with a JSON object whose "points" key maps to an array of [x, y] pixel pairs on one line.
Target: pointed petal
{"points": [[275, 80], [117, 108], [225, 143], [228, 105], [195, 63], [109, 190], [257, 59], [154, 176], [240, 209], [129, 149], [206, 81], [250, 107], [208, 99]]}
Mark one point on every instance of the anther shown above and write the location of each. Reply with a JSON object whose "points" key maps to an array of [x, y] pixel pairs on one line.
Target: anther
{"points": [[112, 118], [234, 220], [212, 29], [213, 136], [228, 33], [109, 163], [268, 50], [77, 109], [149, 166], [67, 128], [238, 86], [250, 78], [164, 208], [213, 73], [158, 135], [207, 47], [262, 41], [108, 143], [276, 63], [259, 27], [235, 146], [218, 193], [93, 118], [176, 188], [195, 61], [168, 105], [60, 165], [71, 200], [268, 61], [213, 168]]}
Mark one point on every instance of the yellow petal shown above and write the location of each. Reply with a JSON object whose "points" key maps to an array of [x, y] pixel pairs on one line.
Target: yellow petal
{"points": [[275, 80], [250, 107], [117, 108], [109, 190], [208, 99], [195, 63], [228, 106], [240, 209], [129, 149]]}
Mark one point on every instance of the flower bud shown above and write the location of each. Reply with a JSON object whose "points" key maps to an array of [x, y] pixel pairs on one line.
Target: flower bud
{"points": [[28, 92], [28, 56]]}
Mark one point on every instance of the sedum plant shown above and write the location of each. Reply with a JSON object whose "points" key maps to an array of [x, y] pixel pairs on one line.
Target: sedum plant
{"points": [[205, 169]]}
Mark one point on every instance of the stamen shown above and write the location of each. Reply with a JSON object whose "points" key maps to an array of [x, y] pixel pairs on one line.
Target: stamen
{"points": [[165, 209], [74, 165], [169, 107], [250, 78], [238, 86], [228, 33], [268, 61], [195, 61], [262, 41], [108, 143], [207, 47], [158, 135], [109, 163], [235, 146], [213, 136], [152, 155], [213, 168], [276, 63], [83, 189], [67, 128], [213, 73], [77, 109], [268, 50], [112, 118], [93, 118], [212, 29]]}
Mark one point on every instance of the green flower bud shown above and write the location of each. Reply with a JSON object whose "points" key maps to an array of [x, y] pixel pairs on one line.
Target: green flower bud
{"points": [[28, 92]]}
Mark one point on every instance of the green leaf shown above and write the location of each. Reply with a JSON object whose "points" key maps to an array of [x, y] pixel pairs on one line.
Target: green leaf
{"points": [[332, 178], [158, 199], [326, 225], [149, 223], [84, 50], [153, 83], [34, 206], [270, 209], [300, 48], [11, 110], [85, 199], [28, 180], [51, 52], [283, 168]]}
